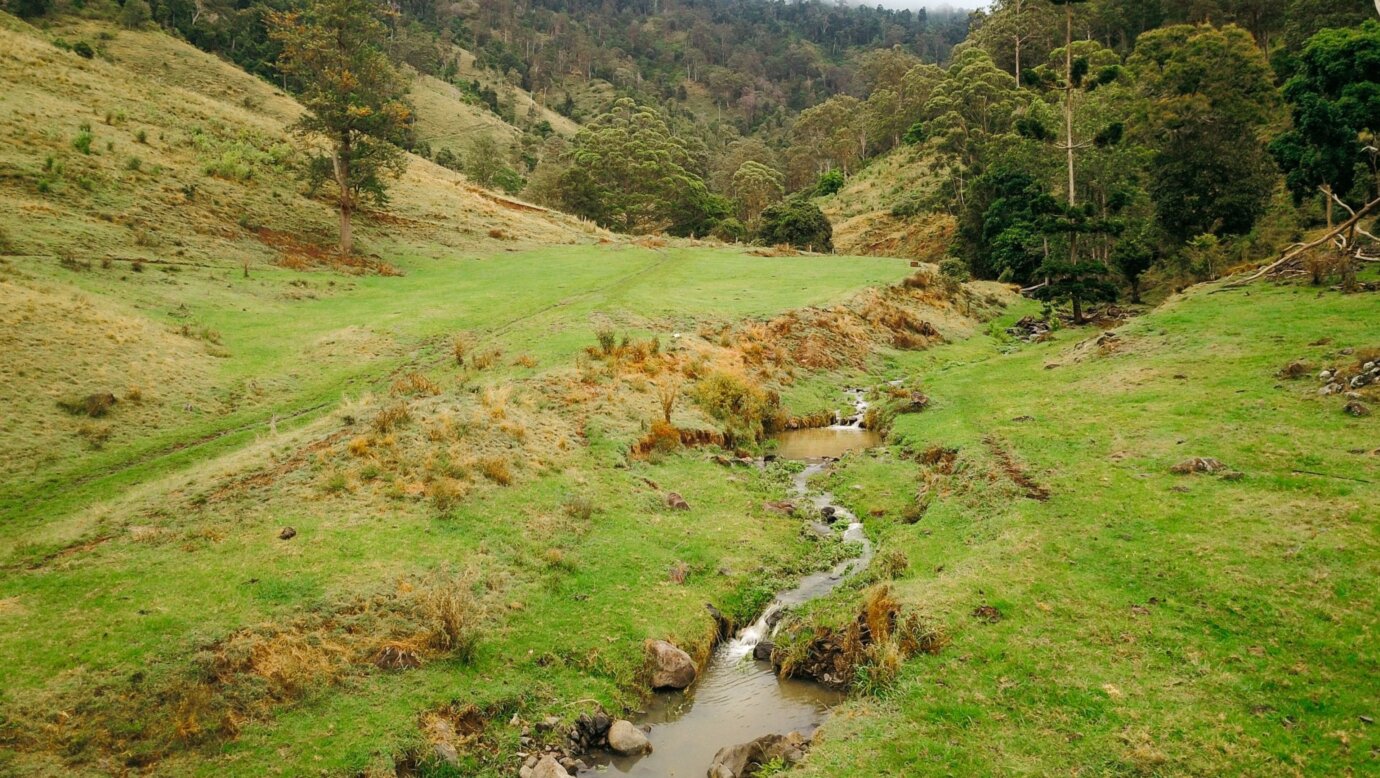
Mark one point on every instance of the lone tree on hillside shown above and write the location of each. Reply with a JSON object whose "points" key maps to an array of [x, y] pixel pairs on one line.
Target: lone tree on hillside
{"points": [[353, 96]]}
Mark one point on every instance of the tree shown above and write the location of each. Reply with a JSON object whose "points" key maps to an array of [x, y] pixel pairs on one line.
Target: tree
{"points": [[629, 171], [135, 14], [1017, 31], [353, 96], [30, 9], [1335, 97], [1132, 257], [1211, 94], [796, 222], [756, 186]]}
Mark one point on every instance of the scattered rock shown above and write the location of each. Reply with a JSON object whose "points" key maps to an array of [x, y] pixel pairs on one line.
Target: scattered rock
{"points": [[1357, 409], [672, 668], [743, 759], [548, 767], [917, 402], [447, 753], [395, 656], [628, 740], [1296, 369], [1198, 465], [1030, 329], [287, 533], [675, 502], [762, 651], [829, 513], [783, 507]]}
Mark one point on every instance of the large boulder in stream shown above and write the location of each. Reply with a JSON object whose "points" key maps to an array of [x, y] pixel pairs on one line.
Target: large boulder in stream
{"points": [[740, 760], [626, 739], [672, 668]]}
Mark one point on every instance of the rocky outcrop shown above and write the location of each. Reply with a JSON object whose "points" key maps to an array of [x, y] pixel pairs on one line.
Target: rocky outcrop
{"points": [[671, 667], [626, 739], [744, 759]]}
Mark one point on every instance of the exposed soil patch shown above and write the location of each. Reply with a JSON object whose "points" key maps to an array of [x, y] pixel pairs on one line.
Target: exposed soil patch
{"points": [[1014, 471]]}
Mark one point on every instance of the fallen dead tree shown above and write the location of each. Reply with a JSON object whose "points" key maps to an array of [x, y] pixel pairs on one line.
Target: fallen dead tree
{"points": [[1343, 238]]}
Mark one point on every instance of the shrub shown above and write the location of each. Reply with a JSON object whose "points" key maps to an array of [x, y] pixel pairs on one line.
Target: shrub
{"points": [[730, 230], [578, 506], [608, 340], [663, 437], [830, 182], [82, 142], [141, 137], [459, 347], [743, 407], [525, 360], [796, 222], [93, 405], [134, 164], [83, 49], [954, 273]]}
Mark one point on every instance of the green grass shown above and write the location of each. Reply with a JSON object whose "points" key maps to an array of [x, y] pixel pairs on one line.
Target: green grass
{"points": [[1152, 623], [172, 568]]}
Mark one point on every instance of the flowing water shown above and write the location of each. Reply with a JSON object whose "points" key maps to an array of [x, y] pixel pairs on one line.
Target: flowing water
{"points": [[738, 698]]}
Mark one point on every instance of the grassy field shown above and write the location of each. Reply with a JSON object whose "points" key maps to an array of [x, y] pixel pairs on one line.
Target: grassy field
{"points": [[155, 551], [1145, 623]]}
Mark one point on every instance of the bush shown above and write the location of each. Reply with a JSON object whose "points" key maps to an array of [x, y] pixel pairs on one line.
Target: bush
{"points": [[829, 183], [796, 222], [730, 230], [93, 405], [83, 49], [743, 407], [456, 616], [82, 142]]}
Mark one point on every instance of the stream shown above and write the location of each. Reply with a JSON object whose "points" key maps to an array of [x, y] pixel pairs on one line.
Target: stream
{"points": [[738, 698]]}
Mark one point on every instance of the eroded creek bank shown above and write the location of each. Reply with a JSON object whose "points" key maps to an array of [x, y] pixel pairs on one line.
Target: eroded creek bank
{"points": [[738, 697]]}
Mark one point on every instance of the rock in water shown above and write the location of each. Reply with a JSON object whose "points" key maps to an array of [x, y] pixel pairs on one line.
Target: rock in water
{"points": [[740, 760], [672, 668], [628, 740], [548, 767]]}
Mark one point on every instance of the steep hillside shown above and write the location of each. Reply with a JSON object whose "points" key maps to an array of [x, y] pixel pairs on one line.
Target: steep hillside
{"points": [[877, 211], [136, 186]]}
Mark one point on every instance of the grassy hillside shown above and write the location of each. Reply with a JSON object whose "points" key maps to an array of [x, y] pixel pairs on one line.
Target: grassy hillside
{"points": [[865, 211], [1107, 615]]}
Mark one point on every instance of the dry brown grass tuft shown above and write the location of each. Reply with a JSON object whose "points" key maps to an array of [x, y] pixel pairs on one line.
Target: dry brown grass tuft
{"points": [[525, 360], [392, 417], [415, 385], [496, 469], [94, 405], [486, 359]]}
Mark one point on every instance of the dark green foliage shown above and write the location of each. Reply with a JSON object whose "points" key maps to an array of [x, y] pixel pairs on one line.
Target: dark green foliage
{"points": [[1335, 96], [1132, 257], [83, 49], [1075, 283], [796, 222], [29, 9], [1210, 93], [829, 183], [1000, 230], [915, 134]]}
